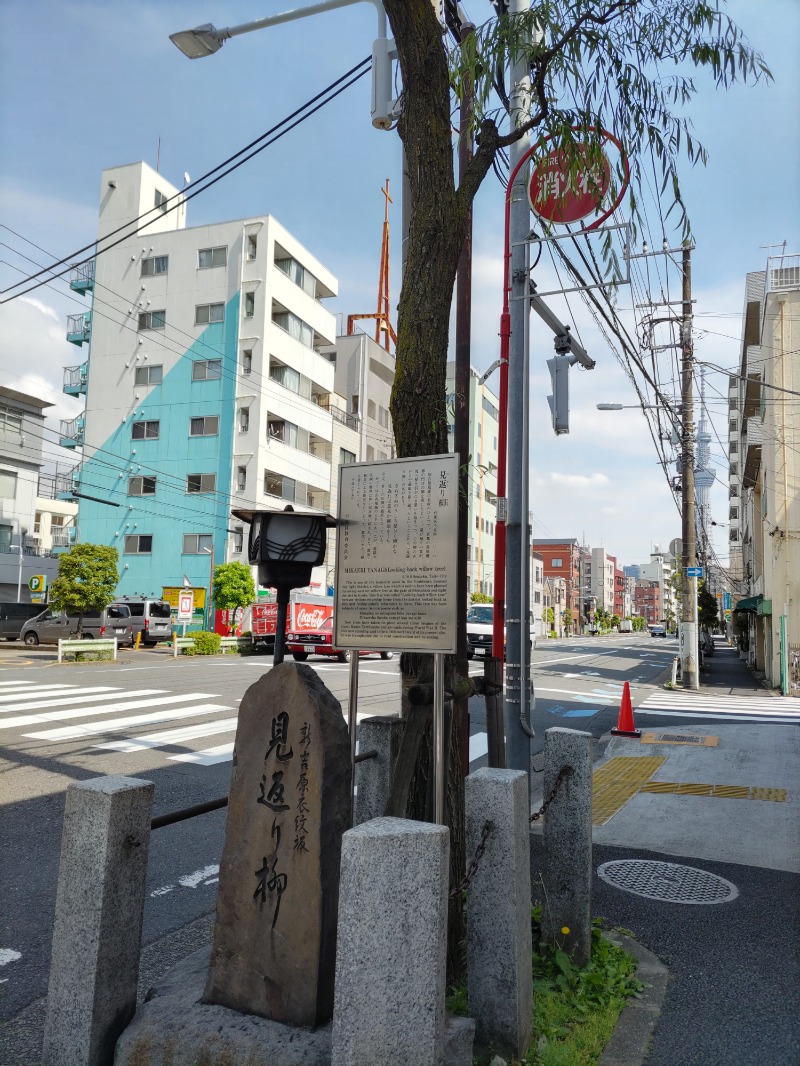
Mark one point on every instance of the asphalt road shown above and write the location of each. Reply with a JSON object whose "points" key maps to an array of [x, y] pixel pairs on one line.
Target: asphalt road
{"points": [[172, 722]]}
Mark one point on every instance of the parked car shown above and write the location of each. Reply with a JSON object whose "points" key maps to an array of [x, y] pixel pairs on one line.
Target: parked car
{"points": [[51, 625], [658, 631], [12, 616], [151, 618]]}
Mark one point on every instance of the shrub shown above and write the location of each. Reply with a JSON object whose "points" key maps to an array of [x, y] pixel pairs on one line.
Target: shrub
{"points": [[206, 643]]}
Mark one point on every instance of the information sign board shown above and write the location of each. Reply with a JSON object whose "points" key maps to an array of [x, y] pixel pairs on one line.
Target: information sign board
{"points": [[185, 605], [694, 571], [396, 555]]}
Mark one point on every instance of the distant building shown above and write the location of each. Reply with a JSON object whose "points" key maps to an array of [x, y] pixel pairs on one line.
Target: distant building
{"points": [[561, 558], [537, 595], [483, 439], [647, 601], [661, 567], [634, 570]]}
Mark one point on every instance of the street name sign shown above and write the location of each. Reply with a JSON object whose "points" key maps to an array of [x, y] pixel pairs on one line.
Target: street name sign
{"points": [[396, 555]]}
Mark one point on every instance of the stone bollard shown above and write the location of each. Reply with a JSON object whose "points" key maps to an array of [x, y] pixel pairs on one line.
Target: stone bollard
{"points": [[374, 776], [499, 978], [94, 967], [389, 1007], [567, 852]]}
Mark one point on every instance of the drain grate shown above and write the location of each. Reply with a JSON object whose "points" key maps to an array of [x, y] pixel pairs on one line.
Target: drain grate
{"points": [[668, 882], [680, 738]]}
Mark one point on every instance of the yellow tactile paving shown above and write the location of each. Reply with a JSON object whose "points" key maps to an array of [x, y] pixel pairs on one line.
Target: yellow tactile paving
{"points": [[617, 781], [677, 788]]}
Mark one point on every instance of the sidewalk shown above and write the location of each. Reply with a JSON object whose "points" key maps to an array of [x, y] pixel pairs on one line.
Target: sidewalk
{"points": [[697, 851]]}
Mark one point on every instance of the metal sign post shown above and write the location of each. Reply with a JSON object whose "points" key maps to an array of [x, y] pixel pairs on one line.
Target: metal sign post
{"points": [[352, 718], [396, 571]]}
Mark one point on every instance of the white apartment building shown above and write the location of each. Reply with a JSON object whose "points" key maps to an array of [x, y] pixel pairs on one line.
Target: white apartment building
{"points": [[538, 628], [206, 384], [661, 567], [482, 460]]}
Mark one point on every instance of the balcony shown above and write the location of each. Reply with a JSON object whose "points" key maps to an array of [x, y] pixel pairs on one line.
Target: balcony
{"points": [[81, 277], [71, 433], [67, 484], [79, 328], [75, 379]]}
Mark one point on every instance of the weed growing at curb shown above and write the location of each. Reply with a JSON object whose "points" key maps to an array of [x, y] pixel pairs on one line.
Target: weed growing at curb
{"points": [[575, 1009]]}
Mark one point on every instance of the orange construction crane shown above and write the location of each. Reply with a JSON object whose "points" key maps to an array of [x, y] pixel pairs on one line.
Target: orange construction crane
{"points": [[383, 324]]}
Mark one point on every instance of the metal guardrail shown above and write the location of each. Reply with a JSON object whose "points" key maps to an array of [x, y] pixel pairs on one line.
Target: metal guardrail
{"points": [[84, 645]]}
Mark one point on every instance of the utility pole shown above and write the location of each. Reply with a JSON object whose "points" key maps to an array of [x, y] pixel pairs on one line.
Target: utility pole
{"points": [[688, 641], [516, 710]]}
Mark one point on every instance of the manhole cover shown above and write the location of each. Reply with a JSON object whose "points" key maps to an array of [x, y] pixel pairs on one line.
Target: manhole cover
{"points": [[667, 881]]}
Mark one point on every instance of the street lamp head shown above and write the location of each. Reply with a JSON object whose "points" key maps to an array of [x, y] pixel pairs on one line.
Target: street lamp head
{"points": [[609, 407], [285, 545], [201, 41]]}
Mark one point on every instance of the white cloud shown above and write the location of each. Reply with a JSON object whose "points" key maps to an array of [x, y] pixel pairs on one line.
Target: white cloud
{"points": [[583, 481]]}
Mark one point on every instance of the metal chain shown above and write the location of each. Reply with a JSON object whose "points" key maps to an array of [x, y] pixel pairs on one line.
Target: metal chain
{"points": [[563, 774], [463, 885]]}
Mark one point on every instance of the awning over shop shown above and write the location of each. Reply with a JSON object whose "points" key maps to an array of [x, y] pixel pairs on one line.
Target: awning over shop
{"points": [[749, 603]]}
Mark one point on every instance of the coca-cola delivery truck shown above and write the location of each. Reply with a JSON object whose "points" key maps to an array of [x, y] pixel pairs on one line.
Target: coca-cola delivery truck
{"points": [[263, 624], [311, 630]]}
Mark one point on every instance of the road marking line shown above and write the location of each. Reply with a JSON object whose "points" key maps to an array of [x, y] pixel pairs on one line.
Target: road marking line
{"points": [[113, 724], [62, 701], [721, 715], [9, 684], [588, 696], [208, 757], [478, 746], [8, 695], [67, 715], [170, 736]]}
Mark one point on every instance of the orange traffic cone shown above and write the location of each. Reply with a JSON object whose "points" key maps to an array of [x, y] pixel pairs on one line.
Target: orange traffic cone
{"points": [[625, 726]]}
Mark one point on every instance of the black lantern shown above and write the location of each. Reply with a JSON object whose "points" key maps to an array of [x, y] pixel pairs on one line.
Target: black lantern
{"points": [[285, 546]]}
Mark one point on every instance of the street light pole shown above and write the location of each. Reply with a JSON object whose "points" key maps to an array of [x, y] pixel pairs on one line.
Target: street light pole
{"points": [[19, 572]]}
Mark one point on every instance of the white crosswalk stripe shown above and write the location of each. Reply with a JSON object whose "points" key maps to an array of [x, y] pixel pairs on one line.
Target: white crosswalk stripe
{"points": [[137, 721], [170, 736], [86, 695], [735, 708], [65, 714]]}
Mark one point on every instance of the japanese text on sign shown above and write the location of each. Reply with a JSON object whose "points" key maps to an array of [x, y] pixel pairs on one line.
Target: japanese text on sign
{"points": [[396, 555]]}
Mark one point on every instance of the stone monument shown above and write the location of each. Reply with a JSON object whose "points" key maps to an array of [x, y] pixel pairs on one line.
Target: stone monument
{"points": [[274, 946]]}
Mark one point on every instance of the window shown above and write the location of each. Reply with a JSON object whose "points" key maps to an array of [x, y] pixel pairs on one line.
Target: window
{"points": [[197, 543], [238, 540], [734, 468], [152, 319], [477, 522], [249, 304], [247, 361], [289, 378], [10, 421], [370, 453], [382, 455], [241, 478], [138, 544], [212, 257], [346, 457], [298, 274], [207, 426], [206, 313], [145, 430], [556, 562], [8, 485], [371, 410], [296, 327], [141, 486], [206, 369], [148, 375], [355, 404], [244, 419], [156, 264], [383, 417], [537, 596], [252, 246], [201, 482], [279, 485], [37, 521], [490, 409], [480, 434], [160, 201]]}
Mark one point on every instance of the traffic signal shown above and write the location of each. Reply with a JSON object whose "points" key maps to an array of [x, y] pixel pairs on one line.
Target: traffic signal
{"points": [[559, 401]]}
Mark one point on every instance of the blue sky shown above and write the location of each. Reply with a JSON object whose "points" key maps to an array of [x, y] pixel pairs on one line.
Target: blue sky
{"points": [[91, 84]]}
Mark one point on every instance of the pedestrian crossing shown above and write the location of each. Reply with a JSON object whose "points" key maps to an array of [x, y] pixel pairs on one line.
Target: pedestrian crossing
{"points": [[682, 704], [101, 716]]}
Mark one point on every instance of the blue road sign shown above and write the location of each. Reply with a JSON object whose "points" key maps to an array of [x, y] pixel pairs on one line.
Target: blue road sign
{"points": [[694, 571]]}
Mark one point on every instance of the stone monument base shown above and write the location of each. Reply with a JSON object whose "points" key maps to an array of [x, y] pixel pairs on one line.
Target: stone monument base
{"points": [[173, 1028]]}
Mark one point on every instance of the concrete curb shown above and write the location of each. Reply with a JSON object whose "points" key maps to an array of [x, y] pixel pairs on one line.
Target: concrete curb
{"points": [[630, 1042]]}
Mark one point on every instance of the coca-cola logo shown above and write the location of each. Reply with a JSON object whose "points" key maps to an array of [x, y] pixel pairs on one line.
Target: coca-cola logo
{"points": [[310, 619]]}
